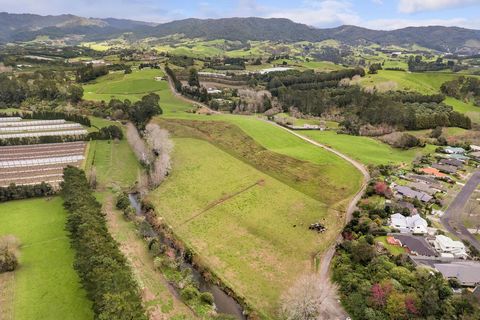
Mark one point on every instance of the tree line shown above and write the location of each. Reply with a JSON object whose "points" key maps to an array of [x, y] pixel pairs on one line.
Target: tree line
{"points": [[103, 270], [323, 94], [18, 192], [465, 88], [39, 86]]}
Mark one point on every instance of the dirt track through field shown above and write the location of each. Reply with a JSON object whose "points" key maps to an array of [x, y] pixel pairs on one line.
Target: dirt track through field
{"points": [[222, 200]]}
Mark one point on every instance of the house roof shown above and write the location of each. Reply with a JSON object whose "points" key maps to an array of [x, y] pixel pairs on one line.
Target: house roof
{"points": [[467, 272], [451, 162], [445, 168], [445, 242], [454, 150], [410, 193], [420, 186], [408, 222], [433, 172]]}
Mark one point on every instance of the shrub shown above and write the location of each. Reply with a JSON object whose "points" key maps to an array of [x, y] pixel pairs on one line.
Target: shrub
{"points": [[207, 298], [122, 201], [8, 260], [189, 293]]}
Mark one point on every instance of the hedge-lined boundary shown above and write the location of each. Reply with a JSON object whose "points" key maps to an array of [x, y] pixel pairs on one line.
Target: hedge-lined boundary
{"points": [[102, 268], [18, 192]]}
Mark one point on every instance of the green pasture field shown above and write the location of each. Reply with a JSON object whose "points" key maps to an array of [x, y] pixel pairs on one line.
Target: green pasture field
{"points": [[115, 164], [45, 285], [255, 239], [367, 150]]}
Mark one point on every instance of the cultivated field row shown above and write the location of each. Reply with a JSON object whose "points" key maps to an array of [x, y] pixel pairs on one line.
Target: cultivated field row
{"points": [[27, 165]]}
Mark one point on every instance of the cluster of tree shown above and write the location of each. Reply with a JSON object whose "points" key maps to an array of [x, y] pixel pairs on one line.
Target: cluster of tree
{"points": [[227, 64], [153, 151], [14, 192], [152, 65], [112, 132], [181, 61], [377, 285], [8, 259], [307, 80], [140, 112], [48, 86], [193, 90], [466, 88], [374, 67], [416, 64], [331, 54], [103, 270], [404, 110], [89, 72]]}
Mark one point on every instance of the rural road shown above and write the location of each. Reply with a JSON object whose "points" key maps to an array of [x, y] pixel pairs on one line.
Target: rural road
{"points": [[452, 218], [331, 307]]}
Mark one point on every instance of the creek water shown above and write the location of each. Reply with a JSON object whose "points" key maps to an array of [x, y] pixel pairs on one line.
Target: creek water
{"points": [[223, 302]]}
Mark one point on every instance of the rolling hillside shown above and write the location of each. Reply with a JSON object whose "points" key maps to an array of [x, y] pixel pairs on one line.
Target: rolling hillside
{"points": [[25, 27]]}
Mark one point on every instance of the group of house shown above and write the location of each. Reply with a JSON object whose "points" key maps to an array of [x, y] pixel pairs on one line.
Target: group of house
{"points": [[425, 245]]}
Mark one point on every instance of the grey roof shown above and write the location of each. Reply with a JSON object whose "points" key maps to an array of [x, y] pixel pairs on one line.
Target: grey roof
{"points": [[451, 162], [420, 186], [467, 272], [445, 168], [417, 244], [410, 193]]}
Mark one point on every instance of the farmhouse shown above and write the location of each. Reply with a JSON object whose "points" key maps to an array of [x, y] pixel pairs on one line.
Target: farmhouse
{"points": [[410, 193], [445, 245], [466, 272], [413, 224]]}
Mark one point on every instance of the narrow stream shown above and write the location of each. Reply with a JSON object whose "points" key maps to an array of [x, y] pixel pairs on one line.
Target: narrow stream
{"points": [[223, 302]]}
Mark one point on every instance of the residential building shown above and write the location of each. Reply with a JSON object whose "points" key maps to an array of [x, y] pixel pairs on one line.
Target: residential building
{"points": [[452, 150], [420, 186], [433, 172], [412, 194], [466, 272], [413, 224], [444, 244], [445, 168], [451, 162]]}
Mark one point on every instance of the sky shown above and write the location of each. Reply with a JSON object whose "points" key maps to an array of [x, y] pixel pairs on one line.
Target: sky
{"points": [[374, 14]]}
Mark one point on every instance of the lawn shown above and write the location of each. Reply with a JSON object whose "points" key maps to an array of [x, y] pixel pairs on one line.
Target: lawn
{"points": [[256, 239], [394, 250], [46, 286], [367, 150], [114, 161], [133, 87]]}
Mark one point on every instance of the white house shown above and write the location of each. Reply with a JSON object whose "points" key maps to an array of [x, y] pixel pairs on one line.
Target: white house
{"points": [[413, 224], [444, 244]]}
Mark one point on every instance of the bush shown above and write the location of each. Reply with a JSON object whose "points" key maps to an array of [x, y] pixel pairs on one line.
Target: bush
{"points": [[188, 293], [122, 201], [207, 298], [8, 260]]}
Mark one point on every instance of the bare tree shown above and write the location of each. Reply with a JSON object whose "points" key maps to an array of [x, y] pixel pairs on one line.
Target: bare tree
{"points": [[92, 178], [138, 145], [160, 143], [304, 300]]}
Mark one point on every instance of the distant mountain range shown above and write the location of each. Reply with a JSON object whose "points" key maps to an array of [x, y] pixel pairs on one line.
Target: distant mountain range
{"points": [[26, 27]]}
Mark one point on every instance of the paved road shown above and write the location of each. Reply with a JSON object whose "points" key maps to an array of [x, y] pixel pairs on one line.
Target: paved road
{"points": [[452, 219]]}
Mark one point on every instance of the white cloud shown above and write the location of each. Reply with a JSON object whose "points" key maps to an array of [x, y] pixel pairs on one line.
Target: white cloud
{"points": [[411, 6], [391, 24], [319, 13]]}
